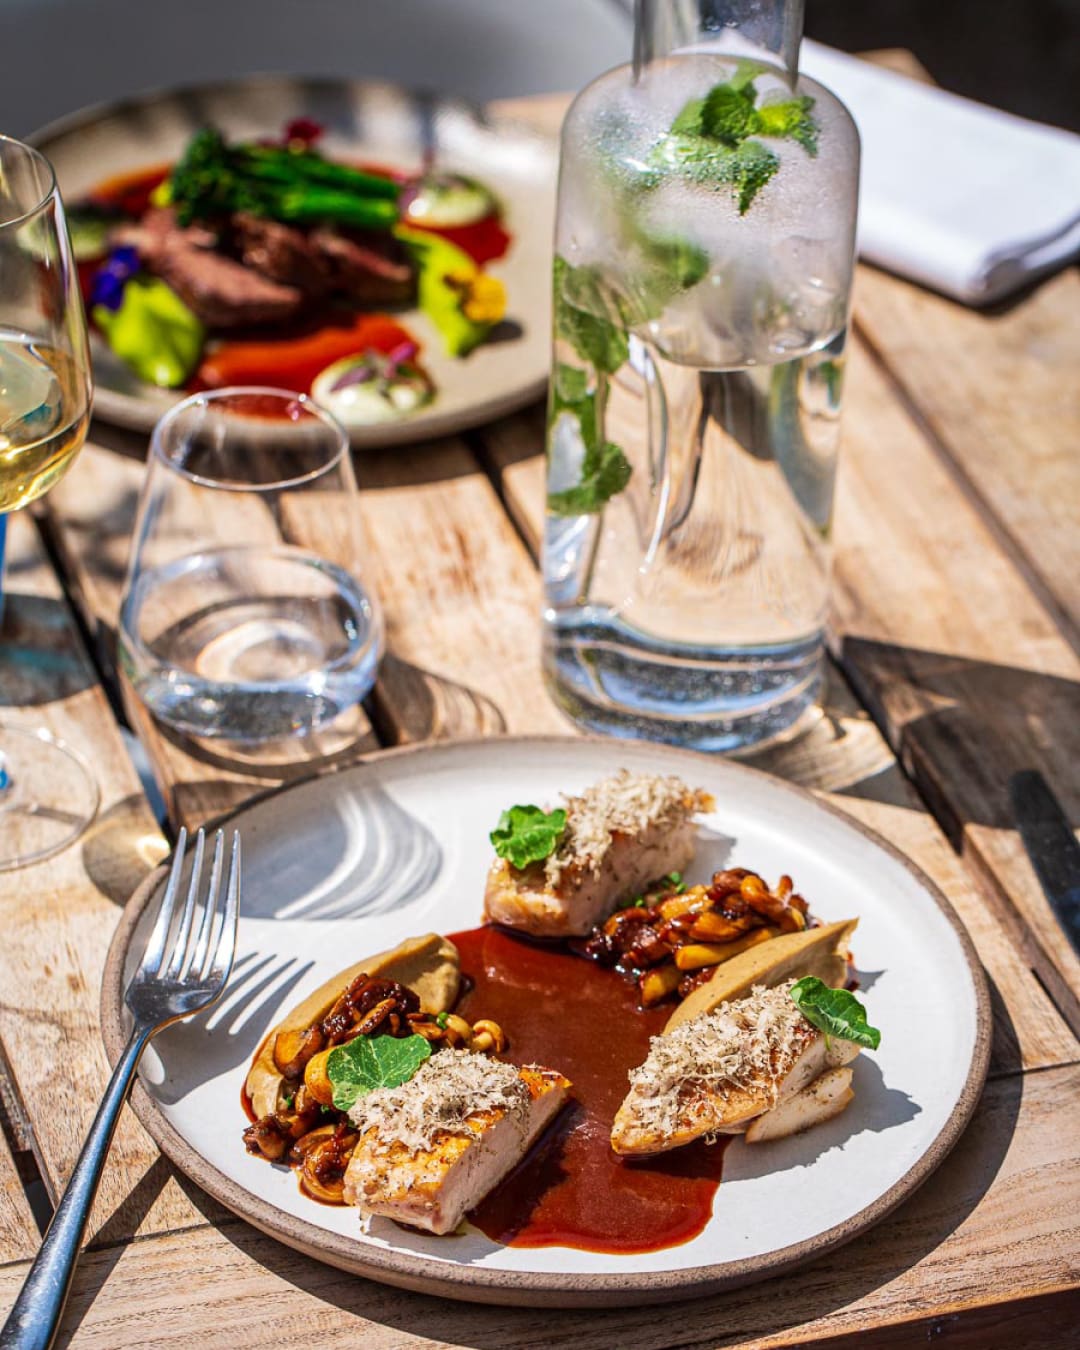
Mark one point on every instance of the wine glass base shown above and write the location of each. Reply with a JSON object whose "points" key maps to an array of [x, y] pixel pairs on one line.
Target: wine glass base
{"points": [[49, 800]]}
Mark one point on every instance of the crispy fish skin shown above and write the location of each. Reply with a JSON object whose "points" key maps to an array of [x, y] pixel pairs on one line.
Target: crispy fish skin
{"points": [[434, 1188]]}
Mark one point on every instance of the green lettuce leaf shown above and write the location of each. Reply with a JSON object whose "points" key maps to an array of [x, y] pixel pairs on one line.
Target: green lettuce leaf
{"points": [[836, 1012], [526, 834], [369, 1062]]}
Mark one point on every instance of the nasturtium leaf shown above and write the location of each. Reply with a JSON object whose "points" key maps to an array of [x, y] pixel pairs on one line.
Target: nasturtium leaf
{"points": [[527, 834], [836, 1012], [369, 1062]]}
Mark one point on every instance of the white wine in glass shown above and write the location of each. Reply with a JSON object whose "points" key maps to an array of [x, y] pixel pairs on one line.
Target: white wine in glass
{"points": [[48, 795]]}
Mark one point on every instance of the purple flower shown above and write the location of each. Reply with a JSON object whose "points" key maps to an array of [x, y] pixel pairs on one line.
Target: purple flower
{"points": [[111, 278]]}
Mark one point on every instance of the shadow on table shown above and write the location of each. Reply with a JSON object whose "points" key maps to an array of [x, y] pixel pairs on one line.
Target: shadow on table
{"points": [[967, 726], [39, 660]]}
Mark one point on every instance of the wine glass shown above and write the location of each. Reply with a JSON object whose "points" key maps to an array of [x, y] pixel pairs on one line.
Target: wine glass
{"points": [[47, 794]]}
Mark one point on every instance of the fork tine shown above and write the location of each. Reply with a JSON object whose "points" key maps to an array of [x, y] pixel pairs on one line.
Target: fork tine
{"points": [[151, 961], [220, 958], [196, 957], [178, 950]]}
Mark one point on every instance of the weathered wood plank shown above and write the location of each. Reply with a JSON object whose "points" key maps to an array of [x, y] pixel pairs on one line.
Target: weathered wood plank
{"points": [[461, 599], [998, 1221], [965, 669], [57, 917], [19, 1236], [999, 395], [846, 757]]}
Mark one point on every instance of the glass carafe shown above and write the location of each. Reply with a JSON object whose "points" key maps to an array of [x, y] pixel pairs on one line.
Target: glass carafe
{"points": [[704, 257]]}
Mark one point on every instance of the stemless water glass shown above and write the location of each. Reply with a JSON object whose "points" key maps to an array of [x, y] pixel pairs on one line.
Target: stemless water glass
{"points": [[243, 616], [704, 255], [47, 794]]}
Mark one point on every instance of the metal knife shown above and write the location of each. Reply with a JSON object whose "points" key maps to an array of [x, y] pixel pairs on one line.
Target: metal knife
{"points": [[1051, 846]]}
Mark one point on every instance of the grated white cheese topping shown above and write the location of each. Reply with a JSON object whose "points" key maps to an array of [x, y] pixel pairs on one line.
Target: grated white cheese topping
{"points": [[441, 1096], [628, 803], [752, 1042]]}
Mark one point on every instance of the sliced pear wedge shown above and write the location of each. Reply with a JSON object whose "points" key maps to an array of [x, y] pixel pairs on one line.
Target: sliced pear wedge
{"points": [[428, 965], [815, 951]]}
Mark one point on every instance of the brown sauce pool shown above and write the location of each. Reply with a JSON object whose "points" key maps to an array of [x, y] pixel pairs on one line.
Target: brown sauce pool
{"points": [[571, 1191]]}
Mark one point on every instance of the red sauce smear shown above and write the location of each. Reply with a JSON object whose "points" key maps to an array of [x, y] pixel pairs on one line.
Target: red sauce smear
{"points": [[291, 360], [130, 192], [571, 1190]]}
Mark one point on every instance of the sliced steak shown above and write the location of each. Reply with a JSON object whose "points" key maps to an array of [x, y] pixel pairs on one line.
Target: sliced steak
{"points": [[223, 293], [368, 268], [283, 253]]}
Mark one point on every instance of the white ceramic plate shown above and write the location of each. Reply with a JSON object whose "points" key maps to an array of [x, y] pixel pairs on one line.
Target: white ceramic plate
{"points": [[380, 124], [356, 861]]}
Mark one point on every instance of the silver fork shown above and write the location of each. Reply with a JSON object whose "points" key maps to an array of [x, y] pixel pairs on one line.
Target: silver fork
{"points": [[176, 977]]}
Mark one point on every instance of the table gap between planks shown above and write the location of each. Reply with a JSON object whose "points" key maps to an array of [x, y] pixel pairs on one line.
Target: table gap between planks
{"points": [[933, 588]]}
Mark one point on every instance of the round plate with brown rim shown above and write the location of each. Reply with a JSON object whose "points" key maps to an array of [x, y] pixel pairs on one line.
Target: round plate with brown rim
{"points": [[378, 124], [358, 860]]}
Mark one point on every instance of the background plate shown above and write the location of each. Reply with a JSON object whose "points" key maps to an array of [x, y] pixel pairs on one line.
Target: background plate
{"points": [[375, 122], [356, 861]]}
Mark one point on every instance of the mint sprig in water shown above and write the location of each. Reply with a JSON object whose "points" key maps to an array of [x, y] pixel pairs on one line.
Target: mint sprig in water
{"points": [[369, 1062], [836, 1012], [527, 834], [580, 304], [710, 141]]}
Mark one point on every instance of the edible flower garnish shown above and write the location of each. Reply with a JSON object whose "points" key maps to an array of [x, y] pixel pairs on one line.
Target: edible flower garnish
{"points": [[107, 288], [836, 1012], [527, 834], [461, 300], [369, 1062]]}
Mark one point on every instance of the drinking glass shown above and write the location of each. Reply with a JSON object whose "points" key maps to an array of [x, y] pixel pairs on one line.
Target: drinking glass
{"points": [[243, 616], [705, 248], [47, 794]]}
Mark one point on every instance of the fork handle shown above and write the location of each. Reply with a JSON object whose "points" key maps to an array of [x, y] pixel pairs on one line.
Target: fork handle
{"points": [[33, 1321]]}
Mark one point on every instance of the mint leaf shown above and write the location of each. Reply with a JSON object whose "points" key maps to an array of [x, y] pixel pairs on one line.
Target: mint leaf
{"points": [[571, 384], [752, 167], [369, 1062], [790, 120], [526, 834], [604, 473], [709, 141], [580, 302], [836, 1012], [728, 115]]}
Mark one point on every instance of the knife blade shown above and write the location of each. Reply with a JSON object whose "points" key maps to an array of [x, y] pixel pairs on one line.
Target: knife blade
{"points": [[1051, 846]]}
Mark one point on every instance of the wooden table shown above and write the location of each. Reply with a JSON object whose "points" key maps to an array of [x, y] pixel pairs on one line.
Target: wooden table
{"points": [[955, 645]]}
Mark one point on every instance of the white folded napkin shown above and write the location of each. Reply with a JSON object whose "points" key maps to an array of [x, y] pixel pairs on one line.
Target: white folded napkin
{"points": [[964, 198]]}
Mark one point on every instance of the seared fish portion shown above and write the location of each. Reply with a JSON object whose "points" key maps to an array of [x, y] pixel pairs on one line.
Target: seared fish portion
{"points": [[431, 1149], [754, 1065], [620, 834]]}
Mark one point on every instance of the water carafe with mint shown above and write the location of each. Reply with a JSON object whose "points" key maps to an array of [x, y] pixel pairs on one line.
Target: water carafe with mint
{"points": [[704, 258]]}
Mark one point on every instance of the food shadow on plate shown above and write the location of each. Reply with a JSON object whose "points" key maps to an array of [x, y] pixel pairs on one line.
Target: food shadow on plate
{"points": [[363, 855], [713, 853], [177, 1061], [876, 1107]]}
